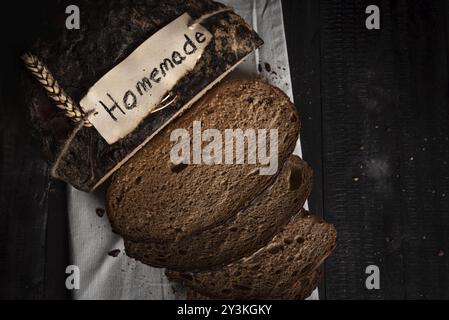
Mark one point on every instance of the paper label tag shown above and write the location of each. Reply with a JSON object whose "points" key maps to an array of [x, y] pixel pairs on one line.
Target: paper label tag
{"points": [[133, 89]]}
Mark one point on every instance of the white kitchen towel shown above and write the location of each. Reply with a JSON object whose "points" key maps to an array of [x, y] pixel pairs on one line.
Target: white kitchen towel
{"points": [[93, 245]]}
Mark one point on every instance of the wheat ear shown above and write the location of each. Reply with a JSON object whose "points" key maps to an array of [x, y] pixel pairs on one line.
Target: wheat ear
{"points": [[54, 91]]}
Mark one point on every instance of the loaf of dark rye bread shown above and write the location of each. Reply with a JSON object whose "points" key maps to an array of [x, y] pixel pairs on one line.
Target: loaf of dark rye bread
{"points": [[151, 200], [251, 229], [111, 31], [280, 270]]}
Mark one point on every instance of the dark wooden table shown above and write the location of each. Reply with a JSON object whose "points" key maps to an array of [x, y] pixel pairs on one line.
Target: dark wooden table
{"points": [[375, 109]]}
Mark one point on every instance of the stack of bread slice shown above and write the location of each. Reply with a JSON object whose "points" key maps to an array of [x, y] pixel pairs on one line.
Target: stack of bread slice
{"points": [[225, 230]]}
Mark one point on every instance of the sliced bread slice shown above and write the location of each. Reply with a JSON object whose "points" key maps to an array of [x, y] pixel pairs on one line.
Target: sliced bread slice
{"points": [[277, 271], [308, 283], [151, 199], [251, 229]]}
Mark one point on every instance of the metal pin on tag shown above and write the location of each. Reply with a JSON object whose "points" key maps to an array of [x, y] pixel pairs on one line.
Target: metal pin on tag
{"points": [[168, 100]]}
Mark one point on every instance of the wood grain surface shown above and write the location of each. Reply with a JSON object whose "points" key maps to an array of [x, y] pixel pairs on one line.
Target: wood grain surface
{"points": [[33, 217], [380, 100]]}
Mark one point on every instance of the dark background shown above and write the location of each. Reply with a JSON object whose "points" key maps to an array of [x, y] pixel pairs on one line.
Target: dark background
{"points": [[375, 110]]}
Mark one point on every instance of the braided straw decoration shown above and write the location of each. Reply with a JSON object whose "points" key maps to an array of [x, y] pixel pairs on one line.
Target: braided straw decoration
{"points": [[54, 91]]}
